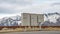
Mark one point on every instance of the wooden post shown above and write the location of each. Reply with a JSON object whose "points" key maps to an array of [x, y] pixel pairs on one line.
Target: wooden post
{"points": [[25, 28]]}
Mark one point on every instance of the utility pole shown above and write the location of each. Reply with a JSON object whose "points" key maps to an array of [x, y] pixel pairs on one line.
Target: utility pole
{"points": [[40, 25]]}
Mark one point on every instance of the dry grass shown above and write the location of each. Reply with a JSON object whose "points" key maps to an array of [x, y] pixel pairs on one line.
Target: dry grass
{"points": [[51, 29], [18, 29], [29, 29]]}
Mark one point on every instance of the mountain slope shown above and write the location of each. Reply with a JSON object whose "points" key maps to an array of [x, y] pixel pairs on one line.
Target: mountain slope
{"points": [[10, 21]]}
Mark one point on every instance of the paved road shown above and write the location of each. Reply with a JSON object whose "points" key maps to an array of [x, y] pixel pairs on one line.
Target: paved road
{"points": [[36, 32]]}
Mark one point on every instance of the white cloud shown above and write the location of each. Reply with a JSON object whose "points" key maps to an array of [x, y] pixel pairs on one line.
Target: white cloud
{"points": [[29, 6]]}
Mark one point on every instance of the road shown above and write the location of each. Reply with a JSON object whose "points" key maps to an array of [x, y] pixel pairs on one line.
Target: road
{"points": [[36, 32]]}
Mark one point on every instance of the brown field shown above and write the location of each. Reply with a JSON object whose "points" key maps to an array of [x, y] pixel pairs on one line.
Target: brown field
{"points": [[27, 28]]}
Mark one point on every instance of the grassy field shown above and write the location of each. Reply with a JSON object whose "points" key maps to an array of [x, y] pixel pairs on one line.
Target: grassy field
{"points": [[21, 29]]}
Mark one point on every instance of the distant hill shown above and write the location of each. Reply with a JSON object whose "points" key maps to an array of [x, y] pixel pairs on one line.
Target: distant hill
{"points": [[10, 21], [52, 19]]}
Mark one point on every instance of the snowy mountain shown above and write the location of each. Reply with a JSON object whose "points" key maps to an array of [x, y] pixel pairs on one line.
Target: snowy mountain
{"points": [[10, 21], [18, 18], [51, 19]]}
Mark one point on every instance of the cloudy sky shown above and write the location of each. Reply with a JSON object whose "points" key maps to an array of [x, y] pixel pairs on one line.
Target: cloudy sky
{"points": [[16, 7]]}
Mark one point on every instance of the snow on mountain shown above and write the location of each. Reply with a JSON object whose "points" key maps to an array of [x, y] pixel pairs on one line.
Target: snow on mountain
{"points": [[51, 19], [10, 21], [18, 18]]}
